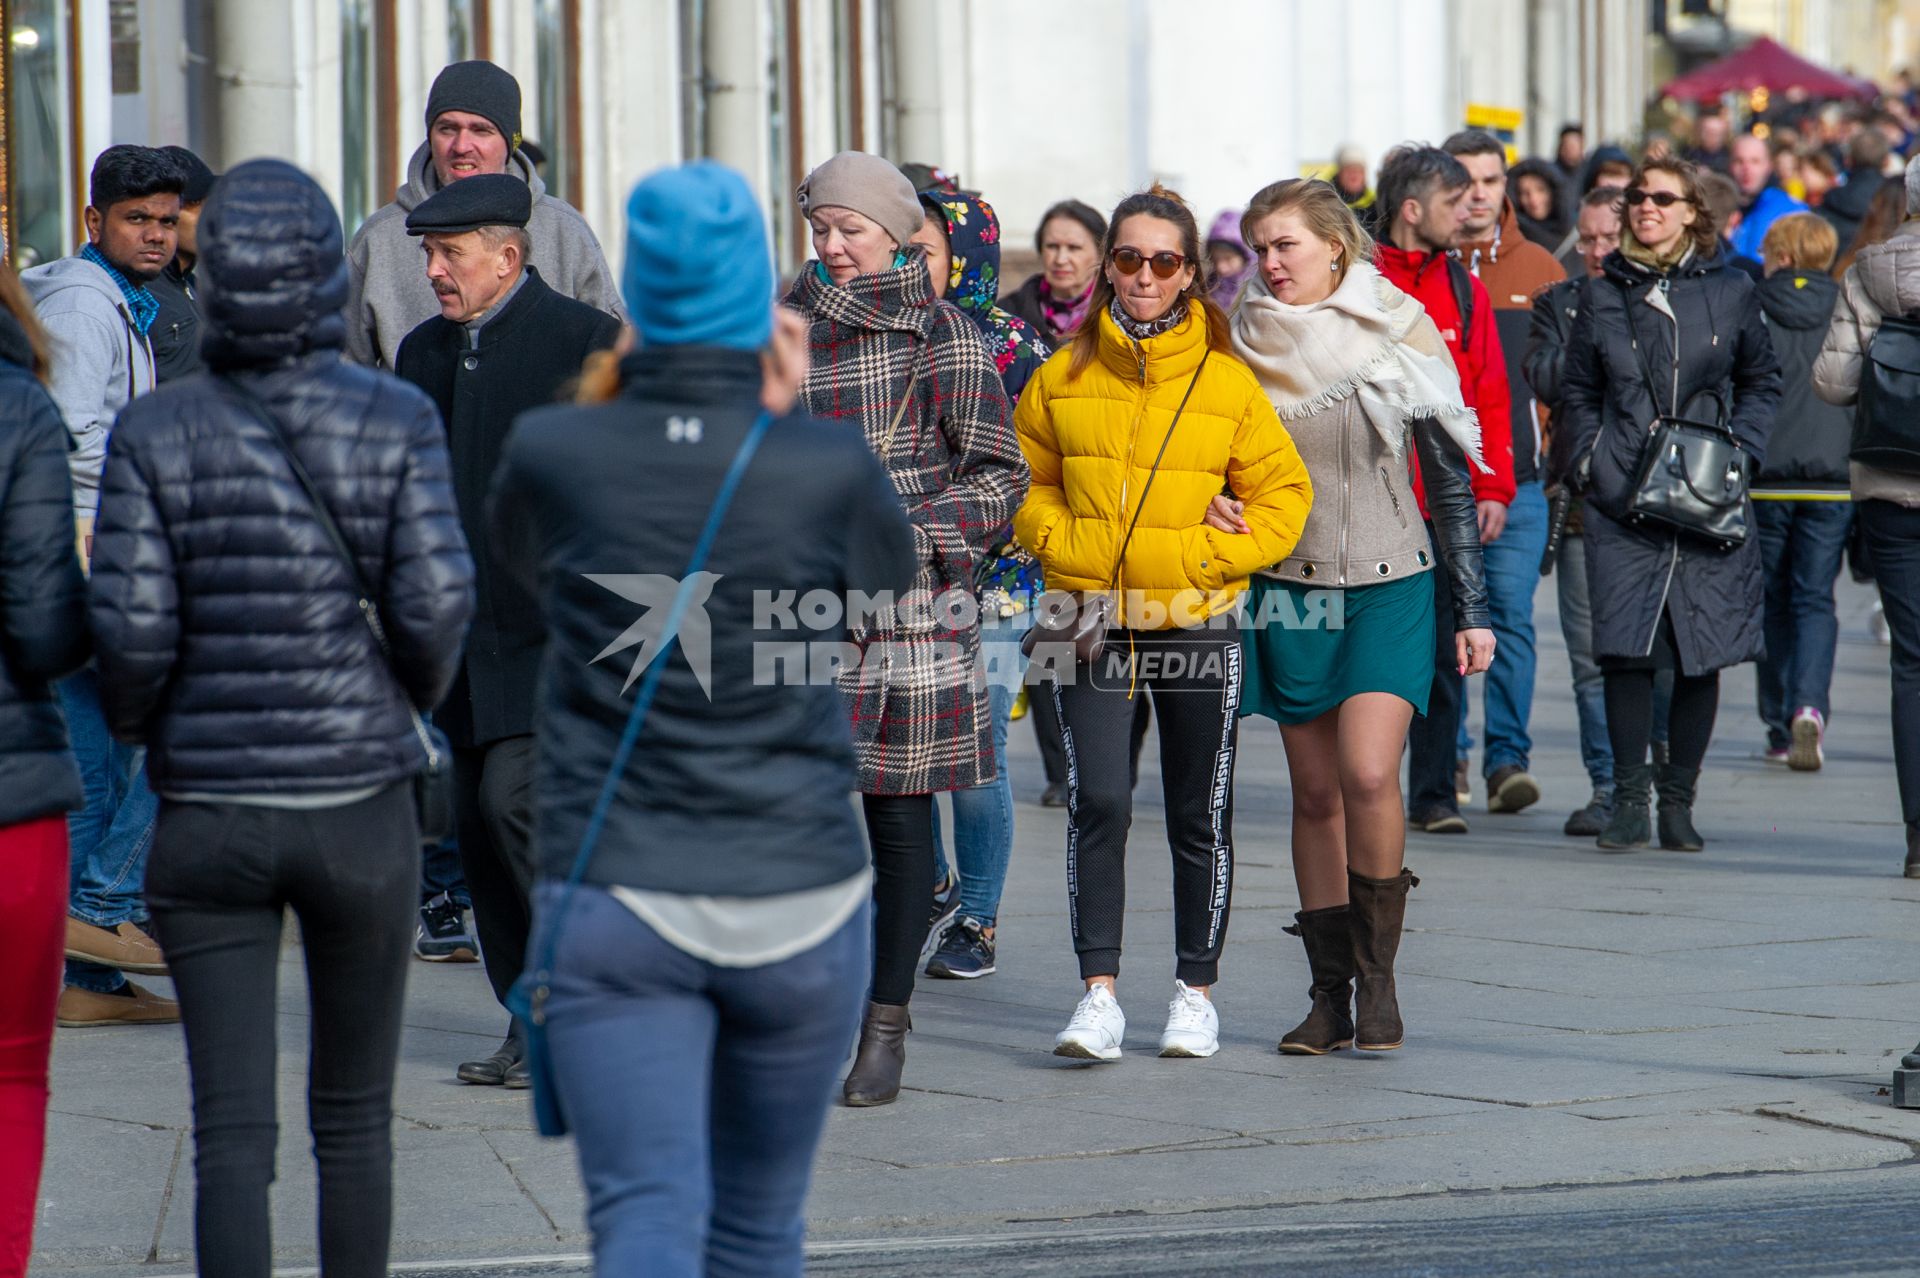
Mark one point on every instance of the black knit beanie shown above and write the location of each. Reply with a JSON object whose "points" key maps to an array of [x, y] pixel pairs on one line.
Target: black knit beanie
{"points": [[482, 88]]}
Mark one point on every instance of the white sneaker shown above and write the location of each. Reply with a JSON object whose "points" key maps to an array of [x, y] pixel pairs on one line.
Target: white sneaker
{"points": [[1096, 1029], [1193, 1027]]}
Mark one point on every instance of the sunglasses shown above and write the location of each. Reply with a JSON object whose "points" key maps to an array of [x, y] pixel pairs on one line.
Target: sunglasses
{"points": [[1129, 261], [1661, 199]]}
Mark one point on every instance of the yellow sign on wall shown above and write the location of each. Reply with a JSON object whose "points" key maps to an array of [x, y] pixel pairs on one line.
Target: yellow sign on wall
{"points": [[1503, 122]]}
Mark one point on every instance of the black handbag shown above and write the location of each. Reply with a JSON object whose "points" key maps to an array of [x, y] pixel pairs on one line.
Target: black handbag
{"points": [[433, 784], [1084, 618], [1693, 474]]}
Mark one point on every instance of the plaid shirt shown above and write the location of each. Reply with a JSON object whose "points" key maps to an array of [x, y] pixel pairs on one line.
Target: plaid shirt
{"points": [[141, 303]]}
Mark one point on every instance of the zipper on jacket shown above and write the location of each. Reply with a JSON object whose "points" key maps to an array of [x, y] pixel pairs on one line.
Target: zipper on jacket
{"points": [[1346, 495], [1393, 497], [1673, 400]]}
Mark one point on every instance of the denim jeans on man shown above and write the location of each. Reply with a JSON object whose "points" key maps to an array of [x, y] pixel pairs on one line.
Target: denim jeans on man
{"points": [[983, 815], [1513, 573], [112, 834], [1802, 545], [1589, 685], [696, 1093]]}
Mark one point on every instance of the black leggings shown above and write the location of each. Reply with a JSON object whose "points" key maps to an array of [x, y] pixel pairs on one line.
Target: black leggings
{"points": [[219, 881], [1630, 694], [900, 830]]}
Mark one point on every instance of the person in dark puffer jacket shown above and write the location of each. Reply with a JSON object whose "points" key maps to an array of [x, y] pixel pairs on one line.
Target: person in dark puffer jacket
{"points": [[43, 636], [279, 738], [1803, 509]]}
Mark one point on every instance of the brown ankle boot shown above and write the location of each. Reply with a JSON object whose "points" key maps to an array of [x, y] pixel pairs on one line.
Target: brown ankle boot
{"points": [[1329, 1026], [1378, 910], [875, 1076]]}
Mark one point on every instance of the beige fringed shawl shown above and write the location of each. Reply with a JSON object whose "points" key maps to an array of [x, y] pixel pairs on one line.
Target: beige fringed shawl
{"points": [[1368, 339]]}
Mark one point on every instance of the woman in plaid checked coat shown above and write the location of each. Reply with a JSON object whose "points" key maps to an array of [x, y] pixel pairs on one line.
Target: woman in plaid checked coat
{"points": [[915, 375]]}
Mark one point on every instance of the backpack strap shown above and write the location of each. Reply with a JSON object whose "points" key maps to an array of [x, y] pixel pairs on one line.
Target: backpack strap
{"points": [[1462, 280]]}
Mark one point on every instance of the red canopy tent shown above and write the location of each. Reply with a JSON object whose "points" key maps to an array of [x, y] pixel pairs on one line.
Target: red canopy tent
{"points": [[1765, 64]]}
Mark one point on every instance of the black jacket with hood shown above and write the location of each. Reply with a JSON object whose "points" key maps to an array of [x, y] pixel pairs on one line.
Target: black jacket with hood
{"points": [[43, 597], [1810, 439], [1696, 331], [229, 639], [1845, 206]]}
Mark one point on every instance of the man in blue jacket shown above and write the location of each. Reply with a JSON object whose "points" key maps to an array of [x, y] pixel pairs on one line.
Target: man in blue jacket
{"points": [[1762, 202]]}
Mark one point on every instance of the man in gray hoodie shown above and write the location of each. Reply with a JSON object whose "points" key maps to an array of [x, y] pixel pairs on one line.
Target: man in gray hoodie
{"points": [[97, 309], [473, 127]]}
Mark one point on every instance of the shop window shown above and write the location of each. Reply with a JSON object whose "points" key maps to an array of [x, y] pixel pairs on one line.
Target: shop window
{"points": [[44, 184]]}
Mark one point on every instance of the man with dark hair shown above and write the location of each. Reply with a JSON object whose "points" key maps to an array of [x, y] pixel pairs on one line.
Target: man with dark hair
{"points": [[176, 332], [1570, 157], [1709, 149], [1515, 270], [1722, 198], [98, 312], [473, 128], [503, 343], [1846, 205], [1421, 194]]}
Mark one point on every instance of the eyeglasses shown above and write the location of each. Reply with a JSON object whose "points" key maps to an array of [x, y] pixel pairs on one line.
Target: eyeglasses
{"points": [[1661, 199], [1129, 261]]}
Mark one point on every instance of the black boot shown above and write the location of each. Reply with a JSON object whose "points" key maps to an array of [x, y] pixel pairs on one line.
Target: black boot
{"points": [[875, 1076], [1676, 787], [1376, 914], [493, 1071], [1913, 853], [1631, 826], [1329, 941]]}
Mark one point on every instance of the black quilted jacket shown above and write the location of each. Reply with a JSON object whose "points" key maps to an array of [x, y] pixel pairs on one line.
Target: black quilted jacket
{"points": [[228, 636], [43, 619]]}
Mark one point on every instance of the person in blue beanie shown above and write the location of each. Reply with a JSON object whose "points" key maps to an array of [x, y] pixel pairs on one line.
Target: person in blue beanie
{"points": [[707, 975]]}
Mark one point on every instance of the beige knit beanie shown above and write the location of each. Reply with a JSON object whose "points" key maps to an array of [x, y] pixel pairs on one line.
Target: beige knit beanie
{"points": [[868, 185]]}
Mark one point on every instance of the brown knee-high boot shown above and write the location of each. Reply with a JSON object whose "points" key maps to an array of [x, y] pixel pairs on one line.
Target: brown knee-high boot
{"points": [[875, 1076], [1378, 910], [1329, 1026]]}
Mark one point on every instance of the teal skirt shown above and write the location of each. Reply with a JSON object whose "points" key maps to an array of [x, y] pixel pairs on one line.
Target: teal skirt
{"points": [[1307, 649]]}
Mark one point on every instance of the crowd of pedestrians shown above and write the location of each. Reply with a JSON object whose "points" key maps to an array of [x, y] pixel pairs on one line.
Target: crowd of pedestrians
{"points": [[322, 566]]}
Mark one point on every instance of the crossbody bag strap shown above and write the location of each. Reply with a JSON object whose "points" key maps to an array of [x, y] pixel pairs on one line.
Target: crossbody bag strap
{"points": [[642, 701], [1120, 559], [899, 414], [1646, 364], [369, 610]]}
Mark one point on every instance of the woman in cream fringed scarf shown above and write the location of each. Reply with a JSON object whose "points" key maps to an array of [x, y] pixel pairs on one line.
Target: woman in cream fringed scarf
{"points": [[1339, 638]]}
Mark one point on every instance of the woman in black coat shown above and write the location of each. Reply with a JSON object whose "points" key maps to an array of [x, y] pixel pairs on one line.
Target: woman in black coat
{"points": [[43, 635], [1665, 329]]}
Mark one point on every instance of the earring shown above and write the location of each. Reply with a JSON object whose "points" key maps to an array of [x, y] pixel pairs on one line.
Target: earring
{"points": [[1335, 266]]}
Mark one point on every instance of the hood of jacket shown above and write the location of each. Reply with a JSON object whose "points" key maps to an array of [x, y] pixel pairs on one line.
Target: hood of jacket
{"points": [[1799, 299], [973, 241], [1601, 155], [423, 180], [1890, 271], [900, 300], [272, 268], [48, 281]]}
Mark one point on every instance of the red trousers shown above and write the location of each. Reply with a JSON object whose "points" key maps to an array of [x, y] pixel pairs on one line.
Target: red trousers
{"points": [[33, 929]]}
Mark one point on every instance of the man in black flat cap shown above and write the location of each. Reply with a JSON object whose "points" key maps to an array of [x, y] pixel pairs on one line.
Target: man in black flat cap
{"points": [[175, 332], [504, 342], [473, 129]]}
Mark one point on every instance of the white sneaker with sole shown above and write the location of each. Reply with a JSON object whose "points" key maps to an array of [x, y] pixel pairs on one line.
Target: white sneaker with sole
{"points": [[1809, 730], [1193, 1027], [1096, 1030]]}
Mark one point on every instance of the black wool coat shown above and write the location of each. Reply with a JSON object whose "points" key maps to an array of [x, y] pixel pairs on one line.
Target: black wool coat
{"points": [[525, 357], [43, 597], [1697, 329]]}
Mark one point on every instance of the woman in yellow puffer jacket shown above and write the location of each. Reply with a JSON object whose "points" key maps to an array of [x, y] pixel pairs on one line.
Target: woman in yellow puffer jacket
{"points": [[1144, 420]]}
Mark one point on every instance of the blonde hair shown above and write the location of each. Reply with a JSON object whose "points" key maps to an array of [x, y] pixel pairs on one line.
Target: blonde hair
{"points": [[1805, 241], [1319, 206]]}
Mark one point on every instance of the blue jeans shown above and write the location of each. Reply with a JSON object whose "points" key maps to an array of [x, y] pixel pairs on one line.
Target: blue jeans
{"points": [[112, 833], [1802, 545], [1589, 685], [983, 816], [440, 872], [697, 1093], [1513, 571]]}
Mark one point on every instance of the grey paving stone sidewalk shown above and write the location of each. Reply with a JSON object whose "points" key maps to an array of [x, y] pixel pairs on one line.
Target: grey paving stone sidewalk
{"points": [[1574, 1019]]}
